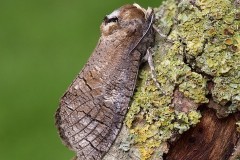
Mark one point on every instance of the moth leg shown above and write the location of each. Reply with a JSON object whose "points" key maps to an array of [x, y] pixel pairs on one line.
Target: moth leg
{"points": [[159, 33], [164, 36], [149, 58], [152, 68]]}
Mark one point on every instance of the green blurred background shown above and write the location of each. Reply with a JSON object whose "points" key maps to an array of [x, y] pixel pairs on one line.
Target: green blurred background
{"points": [[43, 46]]}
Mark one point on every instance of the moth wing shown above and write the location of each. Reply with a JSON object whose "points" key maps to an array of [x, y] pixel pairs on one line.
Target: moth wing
{"points": [[86, 122]]}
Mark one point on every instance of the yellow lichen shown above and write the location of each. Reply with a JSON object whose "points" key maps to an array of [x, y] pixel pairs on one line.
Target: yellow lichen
{"points": [[205, 46]]}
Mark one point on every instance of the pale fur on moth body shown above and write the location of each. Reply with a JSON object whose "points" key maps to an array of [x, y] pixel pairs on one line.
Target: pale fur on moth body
{"points": [[92, 110]]}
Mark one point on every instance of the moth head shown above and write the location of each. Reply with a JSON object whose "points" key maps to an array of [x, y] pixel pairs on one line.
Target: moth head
{"points": [[127, 19]]}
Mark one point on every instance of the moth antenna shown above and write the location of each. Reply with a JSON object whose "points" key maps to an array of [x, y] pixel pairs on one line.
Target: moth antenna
{"points": [[145, 33]]}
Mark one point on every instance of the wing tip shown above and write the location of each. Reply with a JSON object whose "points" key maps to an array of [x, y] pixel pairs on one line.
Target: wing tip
{"points": [[61, 132]]}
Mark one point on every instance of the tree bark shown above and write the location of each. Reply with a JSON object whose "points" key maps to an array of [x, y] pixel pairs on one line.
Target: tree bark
{"points": [[194, 115], [212, 138]]}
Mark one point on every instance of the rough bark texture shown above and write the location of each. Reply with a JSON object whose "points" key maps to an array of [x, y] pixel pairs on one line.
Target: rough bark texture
{"points": [[212, 138], [194, 116]]}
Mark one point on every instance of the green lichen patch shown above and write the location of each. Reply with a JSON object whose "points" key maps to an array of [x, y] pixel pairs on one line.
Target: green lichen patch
{"points": [[227, 92], [204, 46], [194, 87]]}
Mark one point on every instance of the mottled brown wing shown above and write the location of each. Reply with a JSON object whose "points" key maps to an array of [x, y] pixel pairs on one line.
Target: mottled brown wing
{"points": [[92, 110]]}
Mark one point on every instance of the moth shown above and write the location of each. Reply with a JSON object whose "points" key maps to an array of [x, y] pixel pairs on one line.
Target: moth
{"points": [[92, 110]]}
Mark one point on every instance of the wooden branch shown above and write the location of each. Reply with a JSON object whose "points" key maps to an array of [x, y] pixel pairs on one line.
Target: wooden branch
{"points": [[212, 138]]}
